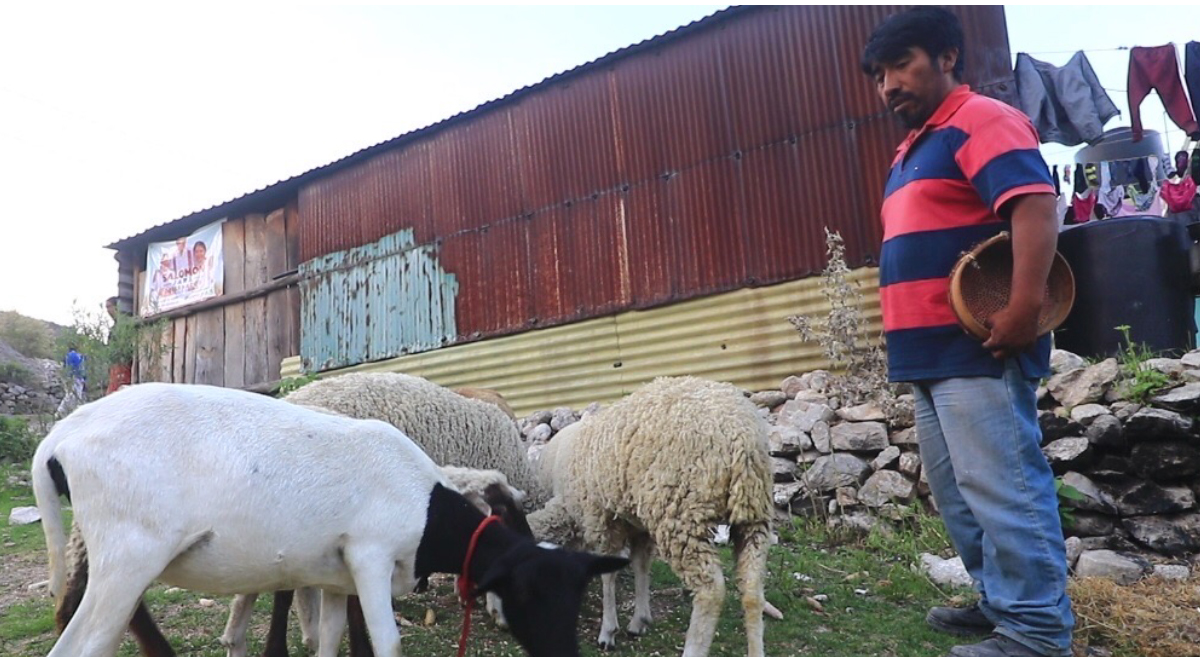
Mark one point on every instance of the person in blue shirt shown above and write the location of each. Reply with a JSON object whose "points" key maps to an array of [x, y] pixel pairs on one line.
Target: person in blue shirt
{"points": [[74, 362]]}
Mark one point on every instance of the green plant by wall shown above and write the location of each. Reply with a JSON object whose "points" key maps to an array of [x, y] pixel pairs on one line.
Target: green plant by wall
{"points": [[1137, 381], [16, 373], [860, 363], [105, 341], [17, 441], [1066, 493], [292, 384]]}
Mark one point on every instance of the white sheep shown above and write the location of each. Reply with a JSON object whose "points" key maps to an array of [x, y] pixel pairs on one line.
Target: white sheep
{"points": [[228, 492], [451, 428], [660, 469]]}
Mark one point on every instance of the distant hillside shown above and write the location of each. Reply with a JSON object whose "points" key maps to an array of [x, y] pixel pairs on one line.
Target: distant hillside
{"points": [[27, 336]]}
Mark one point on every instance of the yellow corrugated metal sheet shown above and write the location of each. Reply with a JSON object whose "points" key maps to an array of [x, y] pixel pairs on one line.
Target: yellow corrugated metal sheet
{"points": [[742, 337]]}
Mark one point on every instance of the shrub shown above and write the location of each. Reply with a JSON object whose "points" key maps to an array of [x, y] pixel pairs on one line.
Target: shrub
{"points": [[17, 441]]}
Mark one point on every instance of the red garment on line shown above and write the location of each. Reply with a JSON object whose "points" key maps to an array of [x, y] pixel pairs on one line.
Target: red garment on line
{"points": [[1158, 68], [1179, 195], [1084, 206]]}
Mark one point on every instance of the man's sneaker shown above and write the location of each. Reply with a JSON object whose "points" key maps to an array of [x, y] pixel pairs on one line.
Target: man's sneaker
{"points": [[997, 646], [960, 621]]}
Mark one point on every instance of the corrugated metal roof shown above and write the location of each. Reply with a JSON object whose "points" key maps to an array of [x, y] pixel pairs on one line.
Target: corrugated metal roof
{"points": [[275, 195]]}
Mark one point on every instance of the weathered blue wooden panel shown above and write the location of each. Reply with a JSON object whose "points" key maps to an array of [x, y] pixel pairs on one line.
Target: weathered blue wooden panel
{"points": [[380, 300]]}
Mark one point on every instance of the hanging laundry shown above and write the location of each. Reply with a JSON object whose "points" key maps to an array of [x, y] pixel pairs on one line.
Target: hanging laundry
{"points": [[1091, 173], [1181, 163], [1195, 166], [1179, 194], [1060, 208], [1067, 104], [1057, 185], [1143, 202], [1191, 72], [1080, 182], [1122, 172], [1084, 205], [1110, 199], [1158, 68]]}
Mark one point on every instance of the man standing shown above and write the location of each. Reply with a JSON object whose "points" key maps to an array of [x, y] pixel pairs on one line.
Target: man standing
{"points": [[970, 168]]}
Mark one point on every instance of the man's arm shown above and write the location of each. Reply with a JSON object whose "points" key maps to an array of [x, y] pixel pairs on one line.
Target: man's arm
{"points": [[1034, 239]]}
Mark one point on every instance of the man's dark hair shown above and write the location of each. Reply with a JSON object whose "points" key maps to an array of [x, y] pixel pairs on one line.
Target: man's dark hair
{"points": [[932, 29]]}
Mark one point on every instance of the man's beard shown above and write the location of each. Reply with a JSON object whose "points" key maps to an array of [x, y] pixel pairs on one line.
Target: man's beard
{"points": [[912, 120]]}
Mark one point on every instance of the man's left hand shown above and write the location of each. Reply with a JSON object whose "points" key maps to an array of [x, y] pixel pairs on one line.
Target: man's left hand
{"points": [[1013, 330]]}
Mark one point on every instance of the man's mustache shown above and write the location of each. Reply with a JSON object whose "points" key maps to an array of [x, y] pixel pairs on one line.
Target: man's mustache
{"points": [[897, 99]]}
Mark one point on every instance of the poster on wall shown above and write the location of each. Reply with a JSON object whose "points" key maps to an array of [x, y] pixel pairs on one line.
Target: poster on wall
{"points": [[183, 271]]}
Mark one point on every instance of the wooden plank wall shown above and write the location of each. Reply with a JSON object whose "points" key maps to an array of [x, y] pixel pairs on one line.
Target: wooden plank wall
{"points": [[238, 344]]}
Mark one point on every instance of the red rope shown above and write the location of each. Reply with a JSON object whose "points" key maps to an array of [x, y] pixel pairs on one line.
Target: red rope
{"points": [[465, 586]]}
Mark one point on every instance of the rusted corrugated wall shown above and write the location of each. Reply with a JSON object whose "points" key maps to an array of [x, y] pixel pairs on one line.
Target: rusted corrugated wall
{"points": [[703, 161]]}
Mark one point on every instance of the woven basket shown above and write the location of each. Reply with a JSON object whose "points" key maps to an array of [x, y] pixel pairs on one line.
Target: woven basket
{"points": [[981, 280]]}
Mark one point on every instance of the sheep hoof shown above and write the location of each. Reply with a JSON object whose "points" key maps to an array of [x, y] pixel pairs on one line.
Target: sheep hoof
{"points": [[638, 626], [607, 644]]}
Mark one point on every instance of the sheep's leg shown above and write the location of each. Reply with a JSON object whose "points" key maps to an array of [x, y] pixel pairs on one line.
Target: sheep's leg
{"points": [[640, 551], [750, 545], [614, 539], [372, 574], [696, 561], [333, 623], [107, 606], [234, 637], [360, 643], [495, 609], [308, 607], [277, 634]]}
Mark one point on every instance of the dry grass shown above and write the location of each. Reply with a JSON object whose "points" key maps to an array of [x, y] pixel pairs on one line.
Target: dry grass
{"points": [[1153, 618]]}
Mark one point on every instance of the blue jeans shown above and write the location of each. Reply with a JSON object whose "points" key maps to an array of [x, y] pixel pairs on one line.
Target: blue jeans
{"points": [[979, 440]]}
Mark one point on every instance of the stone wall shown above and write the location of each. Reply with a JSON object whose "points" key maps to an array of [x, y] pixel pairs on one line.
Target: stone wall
{"points": [[1135, 465]]}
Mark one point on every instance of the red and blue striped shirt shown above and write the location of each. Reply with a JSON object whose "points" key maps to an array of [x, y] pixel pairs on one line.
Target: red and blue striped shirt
{"points": [[943, 196]]}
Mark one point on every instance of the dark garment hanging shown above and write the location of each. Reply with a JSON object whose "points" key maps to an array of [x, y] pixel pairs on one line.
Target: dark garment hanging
{"points": [[1057, 186], [1158, 68], [1080, 183], [1066, 104], [1191, 73], [1195, 166]]}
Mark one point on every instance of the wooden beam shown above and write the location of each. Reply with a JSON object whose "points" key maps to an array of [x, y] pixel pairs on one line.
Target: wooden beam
{"points": [[217, 302]]}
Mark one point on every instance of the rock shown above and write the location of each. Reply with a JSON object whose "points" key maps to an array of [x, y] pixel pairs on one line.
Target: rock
{"points": [[905, 437], [1191, 376], [590, 409], [769, 398], [1057, 425], [910, 464], [37, 587], [1068, 453], [540, 434], [808, 456], [791, 386], [1123, 410], [1165, 461], [821, 437], [1172, 535], [783, 469], [816, 380], [1157, 424], [1085, 524], [1143, 498], [1084, 386], [1074, 549], [1105, 430], [1084, 414], [1172, 573], [868, 412], [945, 572], [782, 494], [903, 412], [540, 417], [1118, 566], [1185, 398], [810, 505], [886, 486], [1111, 468], [1172, 367], [846, 497], [207, 602], [1065, 361], [23, 515], [804, 415], [1094, 499], [859, 436], [787, 441], [859, 522], [814, 397], [834, 471], [886, 458], [923, 486], [563, 418]]}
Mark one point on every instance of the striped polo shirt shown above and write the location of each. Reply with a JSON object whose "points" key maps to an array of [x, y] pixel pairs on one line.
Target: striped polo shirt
{"points": [[946, 186]]}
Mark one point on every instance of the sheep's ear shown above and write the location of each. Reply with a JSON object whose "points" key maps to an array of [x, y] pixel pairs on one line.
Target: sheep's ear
{"points": [[601, 565]]}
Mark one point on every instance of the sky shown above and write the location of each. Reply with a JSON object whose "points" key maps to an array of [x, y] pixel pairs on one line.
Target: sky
{"points": [[113, 120]]}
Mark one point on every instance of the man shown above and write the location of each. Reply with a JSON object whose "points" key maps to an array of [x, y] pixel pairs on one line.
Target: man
{"points": [[968, 169], [74, 364]]}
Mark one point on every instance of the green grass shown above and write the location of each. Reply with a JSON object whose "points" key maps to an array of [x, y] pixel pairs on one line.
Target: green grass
{"points": [[876, 603]]}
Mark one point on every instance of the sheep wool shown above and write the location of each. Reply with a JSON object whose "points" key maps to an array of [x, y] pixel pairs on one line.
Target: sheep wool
{"points": [[451, 428], [666, 465]]}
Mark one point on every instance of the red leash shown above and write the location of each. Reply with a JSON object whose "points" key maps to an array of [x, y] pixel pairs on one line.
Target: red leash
{"points": [[465, 586]]}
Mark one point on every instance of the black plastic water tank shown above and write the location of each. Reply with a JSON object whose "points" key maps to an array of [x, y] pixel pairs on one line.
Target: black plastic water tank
{"points": [[1131, 271]]}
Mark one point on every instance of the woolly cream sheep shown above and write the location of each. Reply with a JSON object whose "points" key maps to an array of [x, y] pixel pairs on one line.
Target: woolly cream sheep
{"points": [[451, 428], [661, 468], [228, 492]]}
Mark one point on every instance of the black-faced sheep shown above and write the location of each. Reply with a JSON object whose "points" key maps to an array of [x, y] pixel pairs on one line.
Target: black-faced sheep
{"points": [[661, 469], [225, 492]]}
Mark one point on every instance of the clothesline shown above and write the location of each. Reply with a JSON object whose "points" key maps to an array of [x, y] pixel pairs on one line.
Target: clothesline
{"points": [[1072, 52]]}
